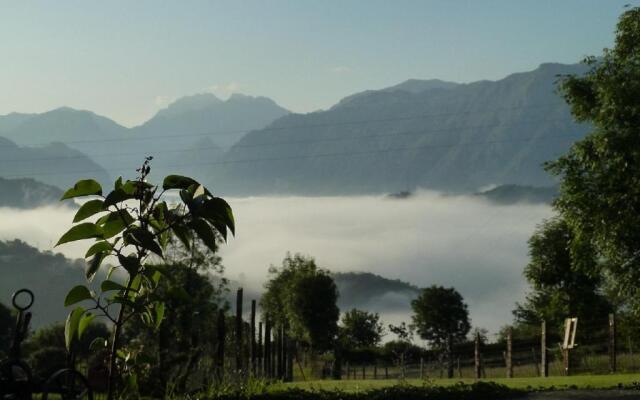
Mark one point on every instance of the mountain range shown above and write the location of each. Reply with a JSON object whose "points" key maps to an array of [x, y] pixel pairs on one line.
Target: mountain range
{"points": [[429, 134], [190, 131], [419, 134]]}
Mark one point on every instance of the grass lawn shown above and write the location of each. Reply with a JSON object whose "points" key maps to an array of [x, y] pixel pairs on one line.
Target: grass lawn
{"points": [[555, 382]]}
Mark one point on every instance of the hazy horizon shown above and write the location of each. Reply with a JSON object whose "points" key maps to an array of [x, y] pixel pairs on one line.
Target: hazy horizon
{"points": [[425, 239]]}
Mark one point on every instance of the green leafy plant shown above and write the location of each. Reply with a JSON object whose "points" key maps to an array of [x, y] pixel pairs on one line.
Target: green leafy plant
{"points": [[133, 223]]}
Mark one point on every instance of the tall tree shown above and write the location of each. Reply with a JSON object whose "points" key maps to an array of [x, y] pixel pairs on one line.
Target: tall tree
{"points": [[303, 297], [599, 191], [564, 276], [441, 317]]}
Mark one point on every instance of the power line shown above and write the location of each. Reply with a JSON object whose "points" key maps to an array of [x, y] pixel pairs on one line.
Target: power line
{"points": [[291, 142], [326, 155], [306, 126]]}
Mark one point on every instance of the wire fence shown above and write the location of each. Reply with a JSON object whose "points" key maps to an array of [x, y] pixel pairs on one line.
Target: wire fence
{"points": [[604, 345]]}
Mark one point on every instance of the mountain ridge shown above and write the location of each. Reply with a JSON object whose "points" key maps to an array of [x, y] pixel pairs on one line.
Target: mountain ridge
{"points": [[454, 140]]}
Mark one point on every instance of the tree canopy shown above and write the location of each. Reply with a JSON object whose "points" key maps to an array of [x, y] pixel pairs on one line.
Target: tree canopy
{"points": [[564, 276], [440, 316], [361, 329], [303, 297], [599, 191]]}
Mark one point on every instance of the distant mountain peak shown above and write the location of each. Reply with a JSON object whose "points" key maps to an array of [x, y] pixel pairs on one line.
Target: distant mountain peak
{"points": [[421, 85], [196, 102]]}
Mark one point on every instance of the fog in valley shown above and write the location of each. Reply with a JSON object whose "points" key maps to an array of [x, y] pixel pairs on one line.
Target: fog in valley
{"points": [[463, 241]]}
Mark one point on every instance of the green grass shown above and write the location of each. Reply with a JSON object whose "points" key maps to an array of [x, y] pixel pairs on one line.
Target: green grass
{"points": [[555, 382]]}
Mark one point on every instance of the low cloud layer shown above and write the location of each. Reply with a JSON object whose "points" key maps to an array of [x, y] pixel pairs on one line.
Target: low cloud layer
{"points": [[464, 242]]}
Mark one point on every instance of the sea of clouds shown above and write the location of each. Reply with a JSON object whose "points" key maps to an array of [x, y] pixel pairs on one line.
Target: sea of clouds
{"points": [[462, 241]]}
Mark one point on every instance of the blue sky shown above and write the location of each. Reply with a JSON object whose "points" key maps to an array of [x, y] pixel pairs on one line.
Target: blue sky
{"points": [[127, 59]]}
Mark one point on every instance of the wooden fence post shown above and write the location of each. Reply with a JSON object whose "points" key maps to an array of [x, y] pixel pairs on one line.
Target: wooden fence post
{"points": [[289, 360], [267, 348], [239, 366], [222, 334], [566, 361], [421, 368], [612, 343], [476, 356], [375, 371], [260, 351], [544, 359], [279, 359], [348, 371], [252, 339], [509, 356], [386, 371]]}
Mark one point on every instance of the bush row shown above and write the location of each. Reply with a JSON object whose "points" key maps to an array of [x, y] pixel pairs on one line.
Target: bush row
{"points": [[460, 391]]}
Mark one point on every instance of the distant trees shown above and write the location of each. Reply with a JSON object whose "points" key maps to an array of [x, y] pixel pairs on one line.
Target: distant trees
{"points": [[599, 191], [303, 297], [361, 329], [441, 317], [47, 351]]}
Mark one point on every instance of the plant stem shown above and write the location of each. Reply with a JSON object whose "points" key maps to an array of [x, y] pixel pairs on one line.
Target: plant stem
{"points": [[111, 384]]}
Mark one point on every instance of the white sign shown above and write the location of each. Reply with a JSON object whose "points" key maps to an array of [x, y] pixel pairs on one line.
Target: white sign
{"points": [[570, 327]]}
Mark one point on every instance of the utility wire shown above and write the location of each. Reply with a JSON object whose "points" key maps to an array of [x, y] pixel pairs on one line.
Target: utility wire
{"points": [[325, 155], [305, 126], [425, 133]]}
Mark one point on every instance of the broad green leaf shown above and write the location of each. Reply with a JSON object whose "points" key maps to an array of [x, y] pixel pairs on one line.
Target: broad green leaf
{"points": [[110, 285], [114, 223], [71, 326], [87, 187], [130, 263], [98, 247], [98, 344], [84, 322], [187, 198], [159, 310], [183, 235], [146, 318], [135, 285], [217, 210], [142, 238], [116, 196], [118, 183], [112, 269], [77, 294], [94, 265], [124, 301], [88, 209], [86, 230], [177, 182], [204, 232]]}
